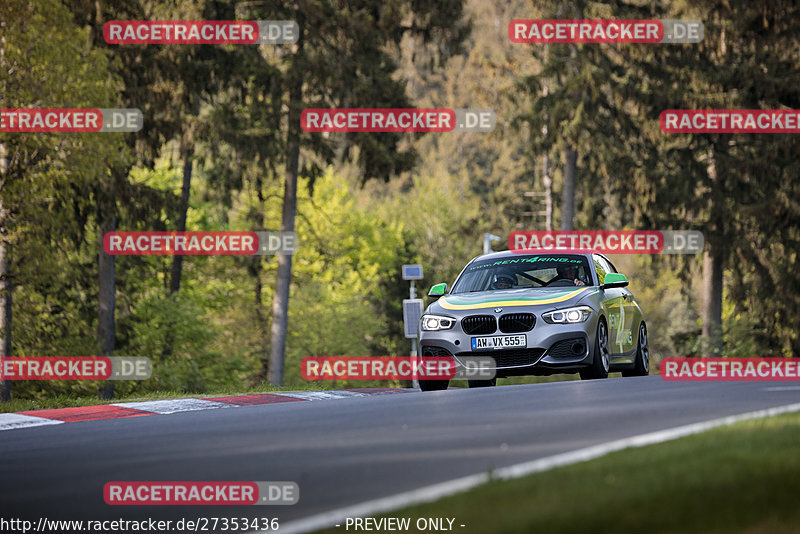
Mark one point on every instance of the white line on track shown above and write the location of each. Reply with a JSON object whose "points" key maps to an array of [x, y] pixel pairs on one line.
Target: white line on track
{"points": [[323, 395], [173, 405], [12, 421], [443, 489]]}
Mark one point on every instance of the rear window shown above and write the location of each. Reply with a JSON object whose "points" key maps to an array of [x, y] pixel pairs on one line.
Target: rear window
{"points": [[528, 271]]}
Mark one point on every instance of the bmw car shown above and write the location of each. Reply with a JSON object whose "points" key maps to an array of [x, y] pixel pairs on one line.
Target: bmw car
{"points": [[537, 313]]}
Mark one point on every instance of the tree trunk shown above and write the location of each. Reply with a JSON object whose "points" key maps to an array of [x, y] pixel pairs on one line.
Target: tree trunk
{"points": [[5, 279], [5, 306], [712, 300], [548, 195], [177, 259], [258, 306], [107, 222], [280, 302], [568, 193], [255, 269], [107, 288], [712, 269]]}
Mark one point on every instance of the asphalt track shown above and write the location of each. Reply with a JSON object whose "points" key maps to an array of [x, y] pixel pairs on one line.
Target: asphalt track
{"points": [[347, 451]]}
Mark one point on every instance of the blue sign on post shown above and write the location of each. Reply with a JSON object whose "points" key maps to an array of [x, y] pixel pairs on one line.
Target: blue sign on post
{"points": [[412, 272]]}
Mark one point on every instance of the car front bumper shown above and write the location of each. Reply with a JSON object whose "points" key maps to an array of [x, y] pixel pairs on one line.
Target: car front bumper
{"points": [[550, 348]]}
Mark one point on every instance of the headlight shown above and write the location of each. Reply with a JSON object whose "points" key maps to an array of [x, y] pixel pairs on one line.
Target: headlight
{"points": [[578, 314], [432, 323]]}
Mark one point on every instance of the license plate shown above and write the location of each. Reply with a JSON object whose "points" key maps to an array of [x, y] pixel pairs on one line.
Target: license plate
{"points": [[499, 342]]}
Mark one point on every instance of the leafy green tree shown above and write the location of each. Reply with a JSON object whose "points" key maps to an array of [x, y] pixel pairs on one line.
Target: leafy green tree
{"points": [[577, 107], [46, 175], [496, 163], [733, 187], [341, 59]]}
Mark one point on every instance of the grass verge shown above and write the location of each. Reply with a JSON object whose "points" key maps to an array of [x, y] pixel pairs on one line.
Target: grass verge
{"points": [[744, 478]]}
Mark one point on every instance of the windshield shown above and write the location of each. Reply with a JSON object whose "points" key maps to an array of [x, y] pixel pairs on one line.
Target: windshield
{"points": [[533, 271]]}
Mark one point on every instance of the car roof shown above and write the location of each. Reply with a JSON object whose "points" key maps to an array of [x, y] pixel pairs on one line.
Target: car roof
{"points": [[529, 251]]}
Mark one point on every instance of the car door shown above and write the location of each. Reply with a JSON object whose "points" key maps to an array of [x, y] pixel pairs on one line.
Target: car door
{"points": [[625, 336], [613, 302]]}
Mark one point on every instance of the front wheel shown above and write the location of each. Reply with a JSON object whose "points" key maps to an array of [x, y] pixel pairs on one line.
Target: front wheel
{"points": [[601, 360], [433, 385], [641, 366], [482, 383]]}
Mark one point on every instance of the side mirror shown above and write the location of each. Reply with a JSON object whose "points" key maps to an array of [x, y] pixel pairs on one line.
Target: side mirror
{"points": [[614, 280], [437, 291]]}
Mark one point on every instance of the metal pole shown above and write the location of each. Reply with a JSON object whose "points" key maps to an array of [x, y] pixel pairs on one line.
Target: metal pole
{"points": [[412, 294], [487, 242], [548, 188]]}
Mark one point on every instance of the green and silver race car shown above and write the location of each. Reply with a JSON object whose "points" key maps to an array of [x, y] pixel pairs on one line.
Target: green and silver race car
{"points": [[537, 313]]}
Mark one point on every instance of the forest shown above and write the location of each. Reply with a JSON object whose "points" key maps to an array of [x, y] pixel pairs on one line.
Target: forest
{"points": [[577, 145]]}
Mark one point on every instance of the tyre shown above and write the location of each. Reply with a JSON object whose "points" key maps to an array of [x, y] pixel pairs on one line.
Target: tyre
{"points": [[482, 383], [433, 385], [641, 366], [601, 360]]}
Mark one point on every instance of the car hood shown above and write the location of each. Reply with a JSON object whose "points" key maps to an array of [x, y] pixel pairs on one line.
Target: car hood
{"points": [[549, 298]]}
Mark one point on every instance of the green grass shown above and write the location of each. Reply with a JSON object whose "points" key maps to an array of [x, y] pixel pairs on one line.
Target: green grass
{"points": [[744, 478]]}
